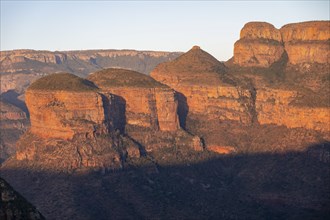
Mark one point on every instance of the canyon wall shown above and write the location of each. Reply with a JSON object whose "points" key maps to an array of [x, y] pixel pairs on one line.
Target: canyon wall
{"points": [[62, 114], [261, 44], [275, 107]]}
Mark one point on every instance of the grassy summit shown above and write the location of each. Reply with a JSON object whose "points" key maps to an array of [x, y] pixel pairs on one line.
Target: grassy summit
{"points": [[63, 81], [123, 78]]}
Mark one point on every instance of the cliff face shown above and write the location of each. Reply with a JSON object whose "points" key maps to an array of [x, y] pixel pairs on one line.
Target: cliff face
{"points": [[148, 105], [204, 89], [148, 109], [80, 62], [243, 96], [275, 107], [261, 44], [13, 123], [307, 42], [75, 124], [61, 114]]}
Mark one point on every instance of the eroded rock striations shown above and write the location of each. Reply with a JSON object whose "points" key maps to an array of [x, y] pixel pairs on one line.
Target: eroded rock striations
{"points": [[76, 124], [261, 44], [204, 89], [13, 123], [143, 108]]}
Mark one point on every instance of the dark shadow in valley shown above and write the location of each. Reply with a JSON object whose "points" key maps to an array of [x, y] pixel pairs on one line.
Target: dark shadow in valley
{"points": [[115, 112], [183, 108], [11, 97], [292, 185]]}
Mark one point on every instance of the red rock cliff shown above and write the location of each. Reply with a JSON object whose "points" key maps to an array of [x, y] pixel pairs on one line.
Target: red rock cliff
{"points": [[60, 112], [261, 44]]}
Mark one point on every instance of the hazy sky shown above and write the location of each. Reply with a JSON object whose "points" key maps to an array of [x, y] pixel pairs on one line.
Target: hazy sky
{"points": [[143, 25]]}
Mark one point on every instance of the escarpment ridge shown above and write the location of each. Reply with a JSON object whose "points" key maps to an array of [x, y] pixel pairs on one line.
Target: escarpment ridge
{"points": [[261, 44]]}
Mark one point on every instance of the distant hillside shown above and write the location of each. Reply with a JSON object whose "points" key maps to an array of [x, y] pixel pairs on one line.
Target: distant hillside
{"points": [[81, 62]]}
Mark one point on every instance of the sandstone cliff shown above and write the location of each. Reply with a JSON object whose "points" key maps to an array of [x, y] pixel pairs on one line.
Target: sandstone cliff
{"points": [[68, 126], [80, 62], [147, 109], [13, 123], [307, 42], [261, 44], [204, 88]]}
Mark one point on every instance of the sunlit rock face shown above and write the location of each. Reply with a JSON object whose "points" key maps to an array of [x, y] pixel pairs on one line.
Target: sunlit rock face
{"points": [[145, 109], [204, 88], [260, 45], [62, 105], [307, 42], [146, 103]]}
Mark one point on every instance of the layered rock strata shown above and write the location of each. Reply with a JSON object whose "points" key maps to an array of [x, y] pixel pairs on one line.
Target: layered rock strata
{"points": [[147, 104], [145, 109], [204, 88], [307, 42], [13, 123], [59, 113], [276, 106], [261, 44]]}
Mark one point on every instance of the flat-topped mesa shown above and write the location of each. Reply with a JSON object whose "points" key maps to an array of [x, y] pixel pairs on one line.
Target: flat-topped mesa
{"points": [[260, 45], [142, 104], [307, 42], [62, 105]]}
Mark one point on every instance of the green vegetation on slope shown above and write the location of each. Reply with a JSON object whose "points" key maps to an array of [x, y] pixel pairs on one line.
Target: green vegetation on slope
{"points": [[123, 78], [64, 82]]}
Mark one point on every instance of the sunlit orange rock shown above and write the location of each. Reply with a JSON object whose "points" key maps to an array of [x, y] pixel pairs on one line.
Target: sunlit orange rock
{"points": [[275, 107], [62, 105], [221, 149], [260, 45], [307, 42], [146, 103], [203, 87]]}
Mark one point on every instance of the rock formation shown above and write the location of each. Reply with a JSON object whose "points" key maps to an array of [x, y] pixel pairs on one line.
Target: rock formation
{"points": [[13, 123], [80, 62], [261, 44], [307, 42], [144, 108], [75, 124], [67, 126], [204, 89], [62, 105]]}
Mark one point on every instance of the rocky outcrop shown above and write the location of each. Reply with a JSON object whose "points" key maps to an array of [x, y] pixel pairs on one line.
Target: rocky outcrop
{"points": [[147, 108], [13, 123], [14, 206], [80, 62], [261, 44], [148, 105], [69, 129], [204, 88], [75, 124], [58, 113], [276, 107], [307, 42]]}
